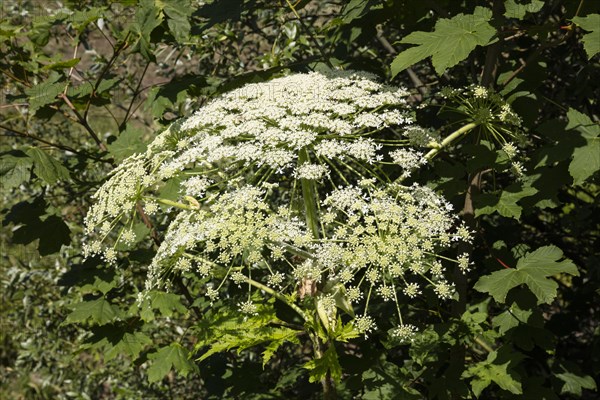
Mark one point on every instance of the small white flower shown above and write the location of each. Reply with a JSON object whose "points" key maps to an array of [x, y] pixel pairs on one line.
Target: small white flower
{"points": [[276, 279], [128, 236], [480, 92], [412, 290], [444, 290], [313, 172], [364, 324], [248, 307], [464, 263], [405, 333]]}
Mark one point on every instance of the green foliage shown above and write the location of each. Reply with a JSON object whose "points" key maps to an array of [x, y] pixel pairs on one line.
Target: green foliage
{"points": [[129, 142], [171, 356], [591, 40], [14, 170], [492, 371], [240, 332], [47, 167], [99, 311], [450, 43], [575, 383], [44, 93], [325, 366], [586, 158], [506, 204], [518, 10], [533, 270]]}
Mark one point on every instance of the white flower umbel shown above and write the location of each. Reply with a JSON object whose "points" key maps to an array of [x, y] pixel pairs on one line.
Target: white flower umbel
{"points": [[285, 187]]}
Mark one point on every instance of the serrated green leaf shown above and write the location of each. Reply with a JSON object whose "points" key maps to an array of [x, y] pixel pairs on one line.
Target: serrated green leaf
{"points": [[47, 167], [82, 18], [166, 303], [510, 319], [172, 356], [505, 204], [574, 383], [171, 189], [129, 142], [63, 64], [178, 13], [130, 343], [532, 270], [173, 94], [582, 123], [86, 88], [343, 333], [328, 363], [99, 284], [586, 158], [147, 18], [488, 371], [517, 10], [591, 41], [231, 331], [99, 311], [451, 41], [44, 93], [14, 171], [355, 9], [278, 337]]}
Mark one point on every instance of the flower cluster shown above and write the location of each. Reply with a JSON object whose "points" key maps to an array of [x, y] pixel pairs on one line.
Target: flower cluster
{"points": [[288, 185], [487, 108], [496, 119]]}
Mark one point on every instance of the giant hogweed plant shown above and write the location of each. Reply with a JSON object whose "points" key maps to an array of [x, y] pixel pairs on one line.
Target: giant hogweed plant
{"points": [[298, 191]]}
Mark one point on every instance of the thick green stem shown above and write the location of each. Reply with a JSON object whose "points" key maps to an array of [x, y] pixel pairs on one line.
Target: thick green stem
{"points": [[172, 203], [451, 138], [309, 194]]}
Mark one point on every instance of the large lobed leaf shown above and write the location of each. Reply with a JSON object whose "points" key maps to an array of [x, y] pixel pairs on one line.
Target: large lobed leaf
{"points": [[451, 41], [591, 41], [533, 270], [586, 159], [171, 356]]}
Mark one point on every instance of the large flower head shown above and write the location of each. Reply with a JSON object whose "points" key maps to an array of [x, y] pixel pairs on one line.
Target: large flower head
{"points": [[292, 183]]}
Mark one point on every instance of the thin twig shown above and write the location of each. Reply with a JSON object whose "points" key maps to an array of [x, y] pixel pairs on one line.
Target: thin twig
{"points": [[311, 35], [417, 82], [136, 92], [83, 122], [52, 144], [106, 68]]}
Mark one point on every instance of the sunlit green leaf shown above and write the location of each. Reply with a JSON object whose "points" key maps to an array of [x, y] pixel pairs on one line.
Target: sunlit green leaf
{"points": [[99, 311], [451, 41], [327, 364], [504, 204], [586, 158], [518, 10], [47, 167], [488, 371], [591, 40], [533, 270], [129, 142], [168, 357], [575, 383], [14, 170], [44, 93]]}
